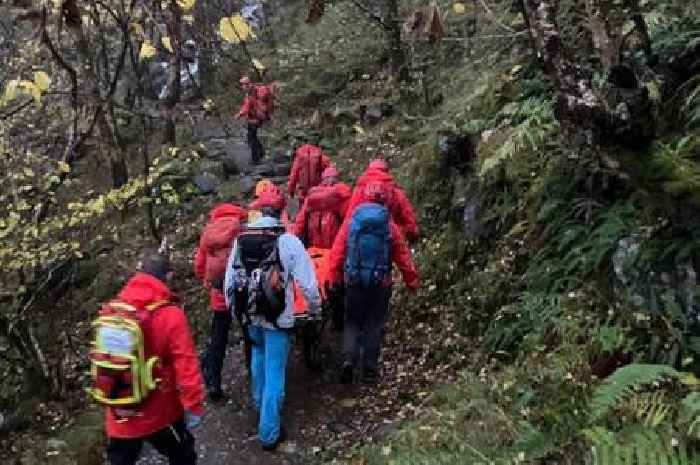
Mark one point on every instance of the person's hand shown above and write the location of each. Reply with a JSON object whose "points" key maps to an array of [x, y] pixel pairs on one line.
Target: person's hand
{"points": [[192, 420]]}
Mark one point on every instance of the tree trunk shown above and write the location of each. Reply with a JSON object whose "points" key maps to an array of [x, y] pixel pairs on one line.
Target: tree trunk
{"points": [[174, 24], [397, 54], [616, 113]]}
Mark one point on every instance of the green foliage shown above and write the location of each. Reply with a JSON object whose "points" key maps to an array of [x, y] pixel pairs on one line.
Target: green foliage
{"points": [[638, 445], [624, 382], [513, 322], [533, 129], [674, 167], [573, 250]]}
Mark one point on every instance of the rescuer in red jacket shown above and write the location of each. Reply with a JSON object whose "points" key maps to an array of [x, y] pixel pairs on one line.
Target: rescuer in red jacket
{"points": [[165, 417], [367, 244], [225, 222], [402, 211], [273, 198], [309, 163], [257, 108], [323, 211]]}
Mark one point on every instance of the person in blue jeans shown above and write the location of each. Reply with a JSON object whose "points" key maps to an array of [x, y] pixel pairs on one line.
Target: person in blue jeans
{"points": [[271, 340]]}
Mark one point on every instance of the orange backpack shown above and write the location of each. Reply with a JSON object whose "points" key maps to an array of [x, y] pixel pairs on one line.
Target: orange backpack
{"points": [[217, 239]]}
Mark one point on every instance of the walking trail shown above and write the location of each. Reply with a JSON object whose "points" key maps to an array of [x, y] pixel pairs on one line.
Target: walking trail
{"points": [[321, 416]]}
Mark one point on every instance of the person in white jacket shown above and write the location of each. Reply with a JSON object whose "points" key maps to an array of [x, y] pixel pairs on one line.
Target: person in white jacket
{"points": [[270, 340]]}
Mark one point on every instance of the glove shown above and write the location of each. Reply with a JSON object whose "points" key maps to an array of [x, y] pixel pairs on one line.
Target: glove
{"points": [[192, 420]]}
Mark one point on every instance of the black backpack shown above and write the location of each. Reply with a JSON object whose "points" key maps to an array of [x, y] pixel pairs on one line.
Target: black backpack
{"points": [[263, 292]]}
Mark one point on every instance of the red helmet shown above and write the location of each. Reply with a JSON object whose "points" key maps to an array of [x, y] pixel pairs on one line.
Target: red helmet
{"points": [[374, 192], [245, 80], [330, 172], [271, 198], [379, 164]]}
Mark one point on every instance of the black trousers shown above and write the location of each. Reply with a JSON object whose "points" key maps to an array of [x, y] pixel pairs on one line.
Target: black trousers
{"points": [[257, 151], [216, 352], [366, 310], [175, 442]]}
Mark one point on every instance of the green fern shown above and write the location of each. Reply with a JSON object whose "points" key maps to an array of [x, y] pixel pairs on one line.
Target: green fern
{"points": [[638, 445], [624, 382]]}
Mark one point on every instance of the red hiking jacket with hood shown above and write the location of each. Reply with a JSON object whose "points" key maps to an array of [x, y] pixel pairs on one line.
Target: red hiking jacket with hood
{"points": [[400, 254], [400, 207], [224, 210], [309, 163], [167, 336], [322, 214]]}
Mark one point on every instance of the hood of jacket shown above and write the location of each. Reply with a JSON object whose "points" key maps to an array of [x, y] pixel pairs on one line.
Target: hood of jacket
{"points": [[228, 210], [372, 174], [143, 289]]}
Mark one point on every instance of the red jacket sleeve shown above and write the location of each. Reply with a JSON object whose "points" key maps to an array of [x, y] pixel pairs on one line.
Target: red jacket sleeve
{"points": [[245, 108], [294, 176], [337, 257], [405, 216], [188, 378], [200, 262], [300, 223], [401, 255]]}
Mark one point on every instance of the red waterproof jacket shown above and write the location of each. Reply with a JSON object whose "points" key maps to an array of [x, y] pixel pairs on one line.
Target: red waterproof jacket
{"points": [[401, 209], [255, 109], [167, 336], [323, 212], [224, 210], [400, 254], [309, 163]]}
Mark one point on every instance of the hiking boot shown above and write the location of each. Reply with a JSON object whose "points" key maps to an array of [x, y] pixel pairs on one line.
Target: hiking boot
{"points": [[346, 373], [280, 439]]}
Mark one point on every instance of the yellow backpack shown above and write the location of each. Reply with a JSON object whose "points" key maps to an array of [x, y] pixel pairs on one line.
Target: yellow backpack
{"points": [[121, 373]]}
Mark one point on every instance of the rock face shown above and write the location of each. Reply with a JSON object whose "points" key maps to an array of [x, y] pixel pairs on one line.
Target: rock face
{"points": [[467, 202], [654, 290], [457, 150]]}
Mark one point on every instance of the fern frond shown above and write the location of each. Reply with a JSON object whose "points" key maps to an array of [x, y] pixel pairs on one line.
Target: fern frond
{"points": [[624, 382], [638, 446]]}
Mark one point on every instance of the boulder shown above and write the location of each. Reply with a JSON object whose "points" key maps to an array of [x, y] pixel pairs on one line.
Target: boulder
{"points": [[263, 170], [656, 289], [246, 184], [230, 167], [457, 150], [206, 183], [282, 169]]}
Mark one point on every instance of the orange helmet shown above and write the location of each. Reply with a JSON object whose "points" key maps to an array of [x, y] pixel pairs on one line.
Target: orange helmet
{"points": [[262, 186]]}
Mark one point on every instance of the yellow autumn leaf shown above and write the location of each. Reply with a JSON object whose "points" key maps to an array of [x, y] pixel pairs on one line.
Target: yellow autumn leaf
{"points": [[10, 91], [42, 80], [186, 5], [459, 8], [189, 19], [359, 129], [167, 44], [147, 50], [258, 65], [64, 167], [29, 88], [235, 29]]}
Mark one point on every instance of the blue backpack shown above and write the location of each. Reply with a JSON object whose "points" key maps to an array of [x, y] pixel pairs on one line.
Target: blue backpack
{"points": [[368, 258]]}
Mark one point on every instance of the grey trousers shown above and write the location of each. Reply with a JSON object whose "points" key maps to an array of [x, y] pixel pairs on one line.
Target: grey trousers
{"points": [[366, 310]]}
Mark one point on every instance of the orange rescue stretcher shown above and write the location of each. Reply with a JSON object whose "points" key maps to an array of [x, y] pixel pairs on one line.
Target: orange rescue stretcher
{"points": [[311, 331]]}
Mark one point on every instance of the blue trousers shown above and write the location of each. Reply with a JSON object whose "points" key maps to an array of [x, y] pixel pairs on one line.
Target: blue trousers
{"points": [[269, 370]]}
